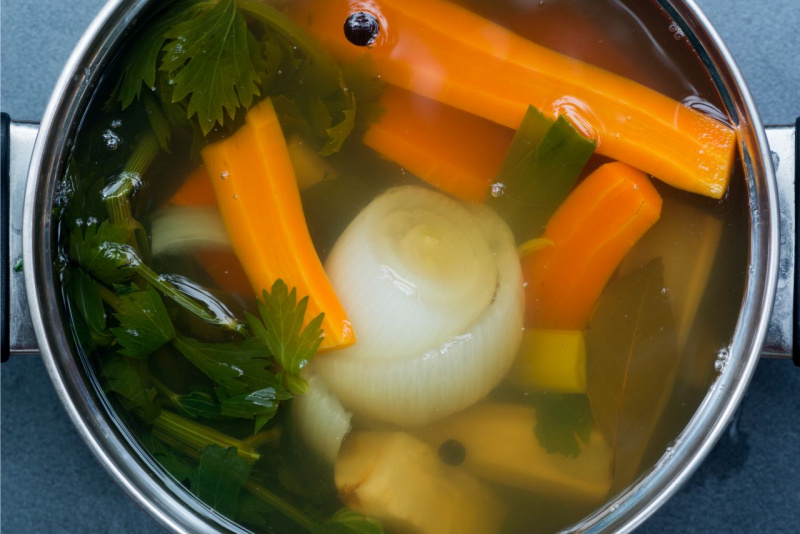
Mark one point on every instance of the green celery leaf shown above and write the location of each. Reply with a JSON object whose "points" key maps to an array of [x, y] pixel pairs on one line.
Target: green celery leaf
{"points": [[632, 359], [101, 251], [127, 380], [308, 89], [210, 61], [562, 420], [282, 330], [199, 405], [219, 478], [250, 511], [347, 521], [85, 296], [363, 81], [158, 121], [169, 459], [539, 170], [144, 323], [141, 59], [261, 405], [238, 368]]}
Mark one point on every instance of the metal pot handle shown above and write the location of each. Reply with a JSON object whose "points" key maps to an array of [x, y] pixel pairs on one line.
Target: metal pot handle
{"points": [[783, 335], [16, 328]]}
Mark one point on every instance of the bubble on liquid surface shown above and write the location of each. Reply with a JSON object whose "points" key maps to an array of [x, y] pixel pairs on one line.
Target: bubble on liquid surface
{"points": [[111, 140], [676, 30], [723, 355], [498, 189]]}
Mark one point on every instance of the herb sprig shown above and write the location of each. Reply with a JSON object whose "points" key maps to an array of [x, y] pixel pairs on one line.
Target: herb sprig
{"points": [[214, 65]]}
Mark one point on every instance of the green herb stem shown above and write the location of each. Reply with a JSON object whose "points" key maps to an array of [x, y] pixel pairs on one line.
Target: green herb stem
{"points": [[117, 195], [176, 430], [109, 297], [281, 505], [277, 20], [169, 290]]}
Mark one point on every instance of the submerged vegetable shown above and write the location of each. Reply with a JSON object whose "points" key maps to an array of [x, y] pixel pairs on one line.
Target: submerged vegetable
{"points": [[399, 479], [445, 52], [456, 152], [551, 360], [592, 231], [260, 204], [434, 289], [631, 368], [321, 420], [501, 446], [539, 170]]}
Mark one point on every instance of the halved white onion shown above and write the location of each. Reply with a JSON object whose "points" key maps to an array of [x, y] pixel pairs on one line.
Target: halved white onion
{"points": [[320, 419], [179, 229], [433, 289]]}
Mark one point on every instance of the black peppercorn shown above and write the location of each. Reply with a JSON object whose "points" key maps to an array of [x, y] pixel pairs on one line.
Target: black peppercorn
{"points": [[361, 28], [452, 452]]}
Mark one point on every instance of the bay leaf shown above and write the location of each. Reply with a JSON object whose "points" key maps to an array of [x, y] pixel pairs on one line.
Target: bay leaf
{"points": [[632, 358]]}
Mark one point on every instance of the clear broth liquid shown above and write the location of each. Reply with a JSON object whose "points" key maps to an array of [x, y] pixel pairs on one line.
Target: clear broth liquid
{"points": [[629, 37]]}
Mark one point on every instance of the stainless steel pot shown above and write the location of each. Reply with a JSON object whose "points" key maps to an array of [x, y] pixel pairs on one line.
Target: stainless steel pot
{"points": [[123, 458]]}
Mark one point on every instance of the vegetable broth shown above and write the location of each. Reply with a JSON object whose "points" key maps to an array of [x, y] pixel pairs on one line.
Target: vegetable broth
{"points": [[701, 275]]}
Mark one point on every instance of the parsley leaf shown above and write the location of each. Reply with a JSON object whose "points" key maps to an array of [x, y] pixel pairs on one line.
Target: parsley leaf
{"points": [[144, 323], [562, 420], [84, 296], [198, 405], [239, 368], [219, 478], [141, 60], [210, 60], [246, 387], [306, 84], [99, 250], [282, 331], [169, 459], [125, 379]]}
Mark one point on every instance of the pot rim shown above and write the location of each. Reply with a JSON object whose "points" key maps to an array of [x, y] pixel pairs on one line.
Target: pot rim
{"points": [[168, 502]]}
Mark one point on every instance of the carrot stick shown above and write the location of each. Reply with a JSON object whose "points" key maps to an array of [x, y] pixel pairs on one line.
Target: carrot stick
{"points": [[260, 205], [449, 54], [598, 223], [454, 151]]}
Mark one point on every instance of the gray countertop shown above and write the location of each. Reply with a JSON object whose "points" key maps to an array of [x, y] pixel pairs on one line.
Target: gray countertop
{"points": [[51, 483]]}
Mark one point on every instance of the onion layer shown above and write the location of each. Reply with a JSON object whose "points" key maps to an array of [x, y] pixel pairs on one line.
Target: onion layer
{"points": [[433, 290], [320, 419], [180, 229]]}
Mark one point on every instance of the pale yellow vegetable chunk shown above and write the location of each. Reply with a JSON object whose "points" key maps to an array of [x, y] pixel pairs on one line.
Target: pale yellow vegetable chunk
{"points": [[398, 479], [551, 360], [501, 446], [309, 167]]}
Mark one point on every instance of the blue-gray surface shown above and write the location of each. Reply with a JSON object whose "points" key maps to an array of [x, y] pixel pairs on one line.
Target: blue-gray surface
{"points": [[51, 483]]}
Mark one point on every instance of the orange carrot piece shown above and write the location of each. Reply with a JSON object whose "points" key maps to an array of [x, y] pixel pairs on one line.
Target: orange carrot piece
{"points": [[195, 191], [456, 152], [260, 205], [449, 54], [595, 227]]}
